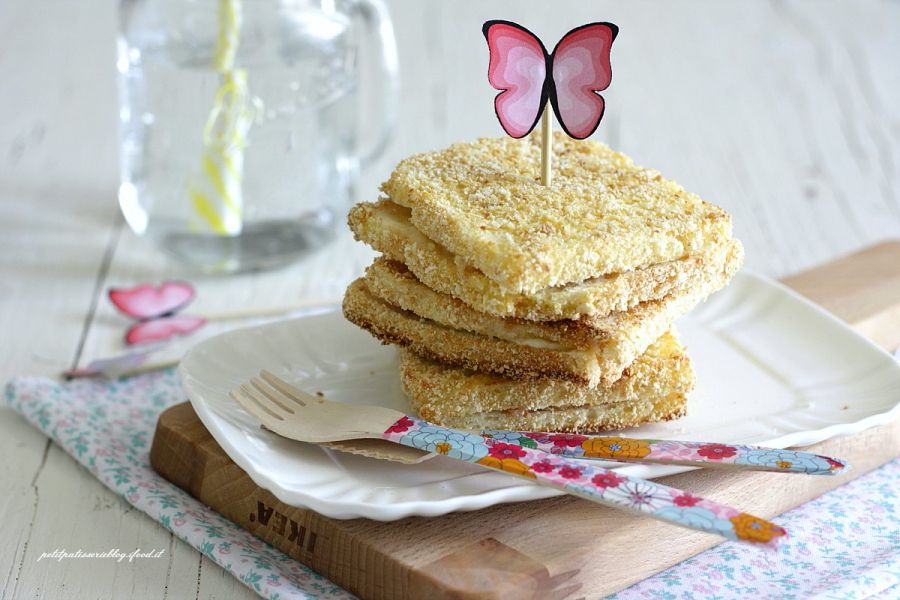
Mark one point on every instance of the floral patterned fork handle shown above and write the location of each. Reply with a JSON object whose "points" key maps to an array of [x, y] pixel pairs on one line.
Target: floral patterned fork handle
{"points": [[585, 480], [294, 414], [701, 454]]}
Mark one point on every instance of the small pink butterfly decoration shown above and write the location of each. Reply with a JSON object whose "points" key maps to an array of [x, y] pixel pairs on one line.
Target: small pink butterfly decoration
{"points": [[154, 306], [569, 77]]}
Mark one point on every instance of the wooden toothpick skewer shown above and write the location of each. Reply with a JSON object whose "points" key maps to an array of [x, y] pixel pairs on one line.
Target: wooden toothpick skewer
{"points": [[546, 146], [233, 315], [263, 312]]}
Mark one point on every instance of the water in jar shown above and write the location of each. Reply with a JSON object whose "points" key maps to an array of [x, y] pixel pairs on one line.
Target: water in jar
{"points": [[297, 152]]}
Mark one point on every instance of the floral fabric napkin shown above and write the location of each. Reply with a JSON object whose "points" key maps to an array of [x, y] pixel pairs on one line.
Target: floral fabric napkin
{"points": [[845, 544]]}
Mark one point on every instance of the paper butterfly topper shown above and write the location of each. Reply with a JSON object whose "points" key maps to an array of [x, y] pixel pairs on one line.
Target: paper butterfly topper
{"points": [[154, 307], [569, 77]]}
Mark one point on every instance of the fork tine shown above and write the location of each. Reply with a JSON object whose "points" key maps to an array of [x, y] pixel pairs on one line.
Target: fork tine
{"points": [[323, 420], [285, 388], [271, 393], [260, 401], [247, 403]]}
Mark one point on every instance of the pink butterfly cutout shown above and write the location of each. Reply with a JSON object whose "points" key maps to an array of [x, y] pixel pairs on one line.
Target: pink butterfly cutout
{"points": [[569, 77], [154, 307]]}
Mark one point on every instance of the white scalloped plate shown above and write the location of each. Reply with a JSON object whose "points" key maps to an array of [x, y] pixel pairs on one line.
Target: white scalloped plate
{"points": [[772, 369]]}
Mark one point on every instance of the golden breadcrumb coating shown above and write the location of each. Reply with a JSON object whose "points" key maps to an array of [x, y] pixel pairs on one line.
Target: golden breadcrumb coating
{"points": [[447, 392], [483, 201], [385, 226], [590, 351], [581, 419], [393, 325]]}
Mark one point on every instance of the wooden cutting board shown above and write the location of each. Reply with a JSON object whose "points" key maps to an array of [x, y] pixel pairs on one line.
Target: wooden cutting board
{"points": [[557, 548]]}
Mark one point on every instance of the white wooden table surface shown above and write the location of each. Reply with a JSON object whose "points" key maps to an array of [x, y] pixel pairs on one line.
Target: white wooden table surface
{"points": [[785, 113]]}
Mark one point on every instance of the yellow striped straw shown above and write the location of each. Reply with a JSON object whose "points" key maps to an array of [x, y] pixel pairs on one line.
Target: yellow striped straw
{"points": [[215, 190]]}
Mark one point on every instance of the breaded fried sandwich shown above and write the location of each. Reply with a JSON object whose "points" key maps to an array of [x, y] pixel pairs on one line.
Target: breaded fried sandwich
{"points": [[524, 306]]}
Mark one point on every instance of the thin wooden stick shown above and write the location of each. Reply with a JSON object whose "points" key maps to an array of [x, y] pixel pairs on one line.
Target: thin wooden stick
{"points": [[232, 315], [546, 147], [262, 312], [151, 366], [139, 370]]}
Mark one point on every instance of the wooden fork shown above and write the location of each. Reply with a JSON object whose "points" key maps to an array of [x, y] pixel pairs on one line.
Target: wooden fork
{"points": [[299, 416], [710, 455]]}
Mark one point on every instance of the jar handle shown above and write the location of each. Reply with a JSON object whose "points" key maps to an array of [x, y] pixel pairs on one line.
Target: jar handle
{"points": [[384, 95]]}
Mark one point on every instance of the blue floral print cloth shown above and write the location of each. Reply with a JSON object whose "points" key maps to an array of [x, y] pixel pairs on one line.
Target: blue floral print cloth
{"points": [[845, 544]]}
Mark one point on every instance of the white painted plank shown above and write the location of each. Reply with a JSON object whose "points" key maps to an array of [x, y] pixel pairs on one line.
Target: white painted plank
{"points": [[57, 194], [96, 521], [48, 265], [42, 309]]}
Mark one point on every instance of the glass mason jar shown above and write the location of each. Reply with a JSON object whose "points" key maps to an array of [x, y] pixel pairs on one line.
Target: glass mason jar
{"points": [[240, 122]]}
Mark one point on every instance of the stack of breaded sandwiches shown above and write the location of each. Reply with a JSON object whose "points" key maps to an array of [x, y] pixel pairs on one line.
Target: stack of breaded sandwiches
{"points": [[538, 308]]}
